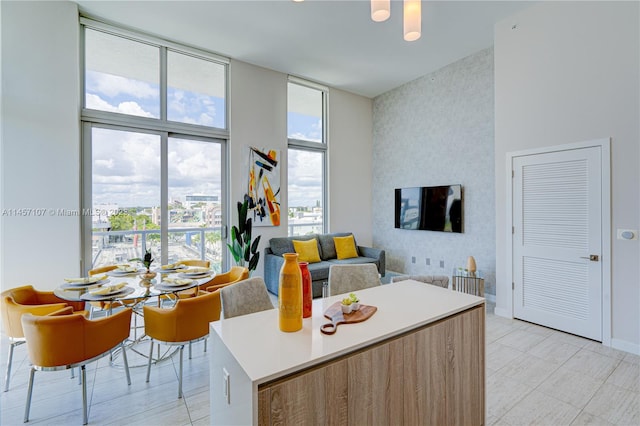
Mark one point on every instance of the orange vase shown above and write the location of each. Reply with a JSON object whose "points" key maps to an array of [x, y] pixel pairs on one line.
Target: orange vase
{"points": [[307, 297], [290, 294]]}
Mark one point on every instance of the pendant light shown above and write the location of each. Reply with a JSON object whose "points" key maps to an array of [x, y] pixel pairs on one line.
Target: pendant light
{"points": [[412, 19], [380, 10]]}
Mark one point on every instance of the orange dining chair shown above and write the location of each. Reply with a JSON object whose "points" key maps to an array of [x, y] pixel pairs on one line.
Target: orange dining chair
{"points": [[235, 274], [60, 342], [186, 322], [22, 300], [191, 292], [195, 262]]}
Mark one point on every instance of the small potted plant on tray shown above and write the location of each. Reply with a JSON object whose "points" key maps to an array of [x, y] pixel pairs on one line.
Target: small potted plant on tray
{"points": [[355, 302], [147, 276], [346, 305]]}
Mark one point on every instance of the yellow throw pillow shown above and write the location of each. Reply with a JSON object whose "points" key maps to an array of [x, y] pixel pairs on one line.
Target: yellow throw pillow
{"points": [[307, 250], [345, 247]]}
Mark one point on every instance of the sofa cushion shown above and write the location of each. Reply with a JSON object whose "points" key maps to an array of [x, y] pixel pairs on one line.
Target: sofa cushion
{"points": [[282, 245], [353, 261], [319, 271], [307, 250], [327, 245], [345, 247]]}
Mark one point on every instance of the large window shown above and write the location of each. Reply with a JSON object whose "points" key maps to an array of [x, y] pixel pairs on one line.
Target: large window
{"points": [[306, 124], [154, 140]]}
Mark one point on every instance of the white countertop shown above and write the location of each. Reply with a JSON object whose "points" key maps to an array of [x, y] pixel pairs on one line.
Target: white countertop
{"points": [[266, 353]]}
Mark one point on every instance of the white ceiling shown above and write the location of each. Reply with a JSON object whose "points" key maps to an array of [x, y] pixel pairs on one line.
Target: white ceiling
{"points": [[329, 41]]}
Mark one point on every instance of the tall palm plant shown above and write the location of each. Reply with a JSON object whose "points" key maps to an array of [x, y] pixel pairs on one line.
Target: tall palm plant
{"points": [[244, 252]]}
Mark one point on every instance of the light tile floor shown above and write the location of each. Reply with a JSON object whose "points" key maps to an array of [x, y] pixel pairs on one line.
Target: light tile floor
{"points": [[535, 376]]}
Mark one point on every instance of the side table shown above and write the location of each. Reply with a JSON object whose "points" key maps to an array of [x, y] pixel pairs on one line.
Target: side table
{"points": [[467, 282]]}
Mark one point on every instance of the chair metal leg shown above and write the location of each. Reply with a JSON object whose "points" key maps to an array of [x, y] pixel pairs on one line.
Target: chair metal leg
{"points": [[126, 364], [205, 344], [189, 350], [29, 392], [150, 359], [73, 375], [180, 378], [7, 377], [83, 375]]}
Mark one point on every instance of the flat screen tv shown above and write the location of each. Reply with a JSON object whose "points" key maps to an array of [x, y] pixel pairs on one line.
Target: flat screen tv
{"points": [[429, 208]]}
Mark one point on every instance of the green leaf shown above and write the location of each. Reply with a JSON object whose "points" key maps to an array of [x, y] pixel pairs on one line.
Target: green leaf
{"points": [[242, 215], [253, 263], [236, 236], [246, 253], [254, 245], [233, 253]]}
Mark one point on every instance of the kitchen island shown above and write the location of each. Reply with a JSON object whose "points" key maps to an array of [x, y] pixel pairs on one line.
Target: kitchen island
{"points": [[418, 359]]}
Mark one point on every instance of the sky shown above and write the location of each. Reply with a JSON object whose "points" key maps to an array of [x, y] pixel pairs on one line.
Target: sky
{"points": [[126, 165]]}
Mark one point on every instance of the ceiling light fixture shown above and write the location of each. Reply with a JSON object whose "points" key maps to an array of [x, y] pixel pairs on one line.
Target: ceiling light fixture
{"points": [[412, 19], [380, 10]]}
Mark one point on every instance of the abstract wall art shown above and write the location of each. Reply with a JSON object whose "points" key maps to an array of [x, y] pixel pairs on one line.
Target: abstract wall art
{"points": [[264, 186]]}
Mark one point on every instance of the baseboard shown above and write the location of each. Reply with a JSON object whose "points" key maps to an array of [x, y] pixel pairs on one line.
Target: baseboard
{"points": [[623, 345]]}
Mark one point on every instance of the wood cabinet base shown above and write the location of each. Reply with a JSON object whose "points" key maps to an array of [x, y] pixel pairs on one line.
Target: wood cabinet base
{"points": [[432, 375]]}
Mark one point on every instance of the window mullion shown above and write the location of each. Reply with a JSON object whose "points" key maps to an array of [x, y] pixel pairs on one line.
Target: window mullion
{"points": [[163, 84], [164, 197]]}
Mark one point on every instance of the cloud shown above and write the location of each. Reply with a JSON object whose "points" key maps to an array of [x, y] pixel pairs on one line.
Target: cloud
{"points": [[132, 108], [192, 108], [305, 178], [112, 85], [126, 168]]}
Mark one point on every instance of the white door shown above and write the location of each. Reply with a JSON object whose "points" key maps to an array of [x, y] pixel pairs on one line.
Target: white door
{"points": [[557, 240]]}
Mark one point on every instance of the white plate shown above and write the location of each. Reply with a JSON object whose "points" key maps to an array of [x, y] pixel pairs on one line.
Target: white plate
{"points": [[168, 270], [121, 292], [121, 273], [78, 285], [195, 275], [183, 282]]}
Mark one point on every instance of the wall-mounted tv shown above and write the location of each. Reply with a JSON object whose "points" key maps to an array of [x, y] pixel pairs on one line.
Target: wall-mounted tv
{"points": [[429, 208]]}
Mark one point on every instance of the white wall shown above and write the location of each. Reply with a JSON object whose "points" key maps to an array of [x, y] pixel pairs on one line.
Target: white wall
{"points": [[40, 142], [569, 72], [350, 169], [257, 117], [40, 165]]}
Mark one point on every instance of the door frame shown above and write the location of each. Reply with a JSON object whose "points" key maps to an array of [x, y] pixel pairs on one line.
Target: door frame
{"points": [[605, 168]]}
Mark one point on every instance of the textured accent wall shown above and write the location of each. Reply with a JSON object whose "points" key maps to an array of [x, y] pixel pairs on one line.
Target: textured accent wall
{"points": [[438, 130]]}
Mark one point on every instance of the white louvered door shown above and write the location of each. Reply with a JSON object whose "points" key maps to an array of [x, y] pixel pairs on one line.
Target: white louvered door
{"points": [[557, 240]]}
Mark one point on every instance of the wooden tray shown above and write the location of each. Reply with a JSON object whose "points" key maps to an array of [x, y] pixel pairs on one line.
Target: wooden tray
{"points": [[334, 313]]}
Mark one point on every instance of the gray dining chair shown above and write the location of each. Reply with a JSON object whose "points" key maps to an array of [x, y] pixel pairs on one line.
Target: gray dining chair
{"points": [[245, 297], [349, 278]]}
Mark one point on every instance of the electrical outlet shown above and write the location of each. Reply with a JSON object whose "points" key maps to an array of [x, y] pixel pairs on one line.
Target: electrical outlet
{"points": [[442, 263], [226, 385], [413, 259], [428, 261]]}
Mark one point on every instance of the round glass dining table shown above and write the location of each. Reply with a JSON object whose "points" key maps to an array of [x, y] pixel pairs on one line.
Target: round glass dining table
{"points": [[133, 291], [128, 288]]}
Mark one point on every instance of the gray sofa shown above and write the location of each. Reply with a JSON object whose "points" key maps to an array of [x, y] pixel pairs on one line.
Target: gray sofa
{"points": [[273, 259]]}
